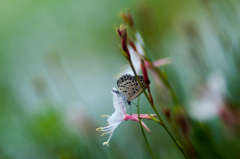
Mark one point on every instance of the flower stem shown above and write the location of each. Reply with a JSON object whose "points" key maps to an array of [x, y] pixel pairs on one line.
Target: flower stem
{"points": [[144, 135], [155, 110], [166, 83], [169, 133], [154, 119]]}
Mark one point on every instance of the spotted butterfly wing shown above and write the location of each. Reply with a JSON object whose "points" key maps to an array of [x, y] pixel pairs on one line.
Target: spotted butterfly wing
{"points": [[129, 88], [138, 89]]}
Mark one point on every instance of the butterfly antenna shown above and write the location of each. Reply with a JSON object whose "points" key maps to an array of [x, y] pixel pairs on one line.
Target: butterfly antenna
{"points": [[135, 104]]}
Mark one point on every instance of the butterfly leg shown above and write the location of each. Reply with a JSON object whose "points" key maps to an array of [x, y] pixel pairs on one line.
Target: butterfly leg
{"points": [[130, 109]]}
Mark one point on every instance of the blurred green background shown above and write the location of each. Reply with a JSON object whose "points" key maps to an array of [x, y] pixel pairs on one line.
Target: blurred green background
{"points": [[58, 64]]}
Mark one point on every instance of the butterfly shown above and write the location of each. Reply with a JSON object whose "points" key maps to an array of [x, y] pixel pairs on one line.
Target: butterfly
{"points": [[129, 88]]}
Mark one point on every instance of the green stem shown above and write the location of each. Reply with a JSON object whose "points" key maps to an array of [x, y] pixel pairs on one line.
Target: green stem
{"points": [[166, 83], [144, 135], [163, 124], [160, 74], [154, 119], [169, 133]]}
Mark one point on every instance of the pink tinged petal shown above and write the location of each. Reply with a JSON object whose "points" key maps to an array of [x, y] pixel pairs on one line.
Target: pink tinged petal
{"points": [[159, 63], [162, 62], [156, 78], [129, 117], [145, 126]]}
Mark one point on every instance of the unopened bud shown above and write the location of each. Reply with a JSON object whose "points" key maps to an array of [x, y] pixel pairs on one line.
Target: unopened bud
{"points": [[181, 119], [122, 32], [128, 19], [144, 71], [166, 112]]}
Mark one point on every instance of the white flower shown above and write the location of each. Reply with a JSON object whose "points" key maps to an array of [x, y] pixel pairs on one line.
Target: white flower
{"points": [[134, 56], [118, 116], [140, 41], [211, 101]]}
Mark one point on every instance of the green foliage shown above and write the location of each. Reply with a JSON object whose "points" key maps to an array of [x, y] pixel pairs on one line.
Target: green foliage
{"points": [[58, 60]]}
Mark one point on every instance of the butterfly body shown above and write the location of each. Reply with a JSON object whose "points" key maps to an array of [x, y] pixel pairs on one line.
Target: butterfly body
{"points": [[129, 88]]}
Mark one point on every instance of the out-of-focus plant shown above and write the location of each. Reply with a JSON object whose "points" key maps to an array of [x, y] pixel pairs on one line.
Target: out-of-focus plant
{"points": [[190, 118], [122, 31]]}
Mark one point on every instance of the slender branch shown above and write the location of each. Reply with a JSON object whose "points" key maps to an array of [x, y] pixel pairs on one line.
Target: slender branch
{"points": [[163, 124], [166, 83], [154, 119], [144, 135], [125, 50], [170, 134]]}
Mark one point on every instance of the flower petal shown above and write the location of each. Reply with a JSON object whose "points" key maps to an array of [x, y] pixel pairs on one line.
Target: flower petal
{"points": [[129, 117], [139, 38], [116, 118], [118, 103]]}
